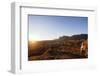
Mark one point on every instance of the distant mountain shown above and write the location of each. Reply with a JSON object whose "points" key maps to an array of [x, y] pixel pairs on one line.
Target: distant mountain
{"points": [[74, 37]]}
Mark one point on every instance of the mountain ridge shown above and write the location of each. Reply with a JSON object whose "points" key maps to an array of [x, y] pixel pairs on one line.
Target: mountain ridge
{"points": [[77, 36]]}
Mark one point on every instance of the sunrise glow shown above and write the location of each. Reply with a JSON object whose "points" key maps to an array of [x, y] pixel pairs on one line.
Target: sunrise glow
{"points": [[33, 39]]}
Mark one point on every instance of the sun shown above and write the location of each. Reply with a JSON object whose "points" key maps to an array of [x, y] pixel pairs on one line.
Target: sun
{"points": [[33, 39]]}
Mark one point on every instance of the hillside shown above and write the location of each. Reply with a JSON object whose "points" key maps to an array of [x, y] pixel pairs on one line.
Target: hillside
{"points": [[65, 47]]}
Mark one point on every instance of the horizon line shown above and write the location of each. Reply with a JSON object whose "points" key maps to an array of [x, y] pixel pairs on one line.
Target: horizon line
{"points": [[58, 37]]}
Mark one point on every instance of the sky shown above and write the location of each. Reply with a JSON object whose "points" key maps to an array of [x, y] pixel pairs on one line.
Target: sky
{"points": [[52, 27]]}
